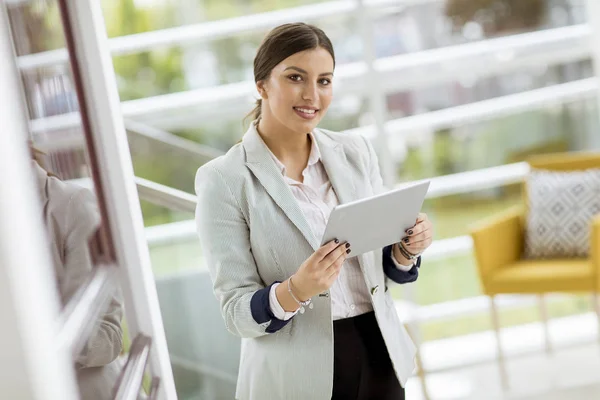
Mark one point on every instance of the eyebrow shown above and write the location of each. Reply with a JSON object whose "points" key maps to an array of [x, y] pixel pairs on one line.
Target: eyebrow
{"points": [[304, 72]]}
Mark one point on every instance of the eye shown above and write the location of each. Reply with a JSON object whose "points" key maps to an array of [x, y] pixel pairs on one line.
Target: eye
{"points": [[325, 81], [295, 78]]}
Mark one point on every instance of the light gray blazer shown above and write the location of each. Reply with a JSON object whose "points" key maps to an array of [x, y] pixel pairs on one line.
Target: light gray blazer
{"points": [[71, 217], [253, 233]]}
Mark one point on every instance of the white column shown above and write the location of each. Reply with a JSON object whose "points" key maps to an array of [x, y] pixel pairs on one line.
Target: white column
{"points": [[377, 98], [31, 366], [116, 173], [378, 105], [593, 15]]}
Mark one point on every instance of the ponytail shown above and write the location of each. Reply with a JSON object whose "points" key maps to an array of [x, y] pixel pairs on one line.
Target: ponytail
{"points": [[256, 112]]}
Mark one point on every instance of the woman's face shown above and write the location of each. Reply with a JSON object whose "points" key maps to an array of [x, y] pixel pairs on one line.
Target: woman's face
{"points": [[299, 90]]}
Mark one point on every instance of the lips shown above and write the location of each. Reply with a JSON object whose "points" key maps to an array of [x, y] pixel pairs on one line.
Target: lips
{"points": [[306, 112]]}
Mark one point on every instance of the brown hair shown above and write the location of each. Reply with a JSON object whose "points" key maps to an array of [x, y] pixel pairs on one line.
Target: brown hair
{"points": [[281, 43]]}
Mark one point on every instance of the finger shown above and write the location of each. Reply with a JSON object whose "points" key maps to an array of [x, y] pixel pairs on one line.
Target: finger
{"points": [[326, 249], [418, 229], [418, 237], [334, 276], [342, 249], [421, 244], [421, 217], [335, 267]]}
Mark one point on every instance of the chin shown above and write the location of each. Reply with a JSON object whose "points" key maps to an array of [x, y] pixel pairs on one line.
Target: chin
{"points": [[306, 126]]}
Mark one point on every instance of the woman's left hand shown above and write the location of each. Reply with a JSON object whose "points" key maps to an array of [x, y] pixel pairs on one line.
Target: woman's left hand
{"points": [[419, 237]]}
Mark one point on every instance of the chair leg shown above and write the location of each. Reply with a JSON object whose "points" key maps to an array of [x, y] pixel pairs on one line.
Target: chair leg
{"points": [[596, 301], [501, 360], [422, 376], [544, 315], [415, 334]]}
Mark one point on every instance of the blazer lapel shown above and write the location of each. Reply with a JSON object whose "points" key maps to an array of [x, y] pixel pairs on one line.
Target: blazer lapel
{"points": [[260, 162], [336, 164], [339, 169]]}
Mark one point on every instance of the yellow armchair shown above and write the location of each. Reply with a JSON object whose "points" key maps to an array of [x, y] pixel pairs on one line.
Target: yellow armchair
{"points": [[499, 242]]}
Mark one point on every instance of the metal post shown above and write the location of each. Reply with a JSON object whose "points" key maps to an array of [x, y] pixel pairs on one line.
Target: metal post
{"points": [[94, 64], [32, 365]]}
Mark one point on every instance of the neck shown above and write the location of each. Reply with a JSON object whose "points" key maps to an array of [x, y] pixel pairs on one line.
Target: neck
{"points": [[286, 145]]}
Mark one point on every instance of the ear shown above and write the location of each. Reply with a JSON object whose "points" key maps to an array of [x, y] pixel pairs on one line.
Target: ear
{"points": [[261, 86]]}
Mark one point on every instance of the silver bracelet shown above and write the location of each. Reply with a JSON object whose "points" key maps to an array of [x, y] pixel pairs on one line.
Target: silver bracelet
{"points": [[302, 304]]}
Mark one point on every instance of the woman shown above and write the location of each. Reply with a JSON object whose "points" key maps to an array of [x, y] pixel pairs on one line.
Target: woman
{"points": [[71, 218], [262, 209]]}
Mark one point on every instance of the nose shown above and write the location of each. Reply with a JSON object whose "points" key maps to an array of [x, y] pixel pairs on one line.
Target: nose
{"points": [[310, 92]]}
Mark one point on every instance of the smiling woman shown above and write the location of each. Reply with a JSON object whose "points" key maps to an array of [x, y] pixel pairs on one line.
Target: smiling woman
{"points": [[262, 210], [277, 70]]}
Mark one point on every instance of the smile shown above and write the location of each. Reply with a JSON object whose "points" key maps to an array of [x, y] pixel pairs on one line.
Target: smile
{"points": [[306, 113]]}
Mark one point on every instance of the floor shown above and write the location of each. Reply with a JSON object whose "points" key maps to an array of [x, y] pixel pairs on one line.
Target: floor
{"points": [[466, 368]]}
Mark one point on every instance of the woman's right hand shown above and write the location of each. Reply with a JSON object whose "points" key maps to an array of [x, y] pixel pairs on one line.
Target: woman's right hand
{"points": [[318, 273]]}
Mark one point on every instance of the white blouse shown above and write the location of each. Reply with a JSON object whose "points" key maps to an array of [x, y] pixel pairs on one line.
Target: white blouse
{"points": [[316, 198]]}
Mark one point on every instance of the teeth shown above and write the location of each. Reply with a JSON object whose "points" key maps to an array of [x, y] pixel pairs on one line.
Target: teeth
{"points": [[305, 111]]}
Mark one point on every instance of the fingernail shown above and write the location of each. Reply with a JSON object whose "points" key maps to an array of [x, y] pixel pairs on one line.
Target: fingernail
{"points": [[336, 240], [410, 232], [347, 245], [405, 240], [348, 251]]}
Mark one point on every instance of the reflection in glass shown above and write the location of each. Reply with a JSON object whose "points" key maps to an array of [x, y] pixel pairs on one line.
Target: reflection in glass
{"points": [[70, 209], [72, 219]]}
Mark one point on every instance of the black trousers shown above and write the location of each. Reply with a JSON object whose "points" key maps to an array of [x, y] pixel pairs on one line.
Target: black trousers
{"points": [[362, 368]]}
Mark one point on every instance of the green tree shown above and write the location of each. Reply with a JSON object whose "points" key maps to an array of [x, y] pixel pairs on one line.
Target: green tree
{"points": [[497, 16]]}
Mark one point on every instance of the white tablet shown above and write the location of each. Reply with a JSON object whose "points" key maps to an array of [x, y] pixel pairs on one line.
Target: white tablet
{"points": [[375, 222]]}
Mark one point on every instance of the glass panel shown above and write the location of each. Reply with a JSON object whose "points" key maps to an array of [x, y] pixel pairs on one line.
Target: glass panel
{"points": [[36, 26], [445, 279], [173, 242], [480, 322], [453, 215], [160, 14], [434, 24], [70, 209], [204, 356], [459, 93], [216, 62], [568, 127]]}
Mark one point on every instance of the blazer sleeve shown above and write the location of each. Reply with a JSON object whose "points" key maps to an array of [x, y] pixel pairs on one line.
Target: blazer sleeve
{"points": [[392, 273], [225, 241], [106, 340]]}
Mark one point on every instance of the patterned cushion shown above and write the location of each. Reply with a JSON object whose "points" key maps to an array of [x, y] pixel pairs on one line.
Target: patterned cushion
{"points": [[561, 207]]}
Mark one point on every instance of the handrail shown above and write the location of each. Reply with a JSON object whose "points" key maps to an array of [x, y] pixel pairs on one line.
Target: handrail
{"points": [[440, 186], [79, 317], [446, 185], [130, 380], [165, 196], [486, 110], [200, 152], [479, 179]]}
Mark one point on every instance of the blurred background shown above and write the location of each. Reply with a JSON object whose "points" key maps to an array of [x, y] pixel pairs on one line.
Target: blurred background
{"points": [[460, 91]]}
